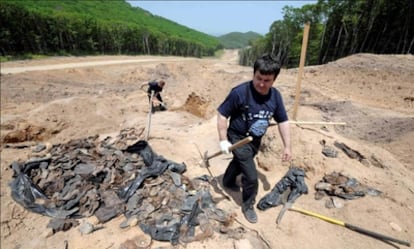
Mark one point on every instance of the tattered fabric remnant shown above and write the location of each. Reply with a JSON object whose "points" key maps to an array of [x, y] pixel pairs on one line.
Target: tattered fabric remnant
{"points": [[107, 178], [292, 184], [338, 184], [351, 153]]}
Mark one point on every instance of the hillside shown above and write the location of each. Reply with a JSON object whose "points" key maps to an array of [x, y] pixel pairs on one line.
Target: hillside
{"points": [[57, 100], [235, 40], [91, 27]]}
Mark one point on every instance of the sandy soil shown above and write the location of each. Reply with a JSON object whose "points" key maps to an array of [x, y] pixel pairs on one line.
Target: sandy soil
{"points": [[56, 100]]}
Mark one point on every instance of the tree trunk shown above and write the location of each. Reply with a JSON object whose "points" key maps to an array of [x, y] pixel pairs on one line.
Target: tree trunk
{"points": [[410, 47]]}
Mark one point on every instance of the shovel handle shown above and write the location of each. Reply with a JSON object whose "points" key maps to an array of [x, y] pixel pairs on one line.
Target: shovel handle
{"points": [[236, 145], [240, 143], [376, 235], [351, 227]]}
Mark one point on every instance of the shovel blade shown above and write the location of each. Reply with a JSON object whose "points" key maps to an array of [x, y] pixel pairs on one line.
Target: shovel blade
{"points": [[282, 212]]}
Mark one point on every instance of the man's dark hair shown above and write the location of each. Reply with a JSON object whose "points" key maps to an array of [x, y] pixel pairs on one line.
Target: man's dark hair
{"points": [[266, 64]]}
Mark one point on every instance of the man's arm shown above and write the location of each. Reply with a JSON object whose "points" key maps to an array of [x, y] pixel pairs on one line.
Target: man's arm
{"points": [[143, 84], [221, 126], [222, 132], [284, 131]]}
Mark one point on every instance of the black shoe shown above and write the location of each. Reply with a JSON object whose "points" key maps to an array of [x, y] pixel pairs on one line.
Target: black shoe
{"points": [[250, 214], [162, 107]]}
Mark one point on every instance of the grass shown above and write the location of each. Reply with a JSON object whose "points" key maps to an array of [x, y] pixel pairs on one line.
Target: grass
{"points": [[22, 57]]}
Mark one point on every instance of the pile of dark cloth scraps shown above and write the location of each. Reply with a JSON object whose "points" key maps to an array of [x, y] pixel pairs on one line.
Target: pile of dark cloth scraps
{"points": [[345, 187], [90, 176], [291, 186]]}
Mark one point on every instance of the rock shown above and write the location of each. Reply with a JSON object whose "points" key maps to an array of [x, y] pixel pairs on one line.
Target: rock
{"points": [[395, 226], [86, 228], [143, 241], [38, 148], [337, 203], [319, 195], [133, 221], [93, 220], [329, 151], [243, 244], [128, 244], [329, 203]]}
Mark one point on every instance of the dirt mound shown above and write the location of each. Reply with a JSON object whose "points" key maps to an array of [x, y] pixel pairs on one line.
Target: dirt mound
{"points": [[25, 132], [379, 81], [366, 123], [196, 105]]}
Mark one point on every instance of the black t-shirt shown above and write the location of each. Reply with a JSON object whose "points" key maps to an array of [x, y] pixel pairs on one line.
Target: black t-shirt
{"points": [[260, 107], [153, 86]]}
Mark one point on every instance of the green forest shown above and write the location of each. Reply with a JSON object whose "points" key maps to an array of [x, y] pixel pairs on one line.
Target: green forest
{"points": [[338, 28], [80, 27]]}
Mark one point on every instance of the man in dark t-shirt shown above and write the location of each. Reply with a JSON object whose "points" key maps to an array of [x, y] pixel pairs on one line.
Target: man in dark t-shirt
{"points": [[156, 87], [250, 106]]}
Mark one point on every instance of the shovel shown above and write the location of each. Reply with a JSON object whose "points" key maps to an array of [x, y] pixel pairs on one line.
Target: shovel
{"points": [[350, 226], [240, 143]]}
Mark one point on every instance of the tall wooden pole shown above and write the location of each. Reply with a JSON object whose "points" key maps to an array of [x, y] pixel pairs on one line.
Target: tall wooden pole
{"points": [[149, 117], [302, 63]]}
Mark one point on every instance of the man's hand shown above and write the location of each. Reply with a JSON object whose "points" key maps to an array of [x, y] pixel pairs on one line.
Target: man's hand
{"points": [[287, 155], [224, 146]]}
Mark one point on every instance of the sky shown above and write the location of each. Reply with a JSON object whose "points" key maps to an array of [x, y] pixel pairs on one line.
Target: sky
{"points": [[221, 17]]}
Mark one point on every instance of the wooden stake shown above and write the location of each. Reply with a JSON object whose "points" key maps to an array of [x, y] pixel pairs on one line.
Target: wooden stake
{"points": [[301, 64], [312, 123], [316, 123]]}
